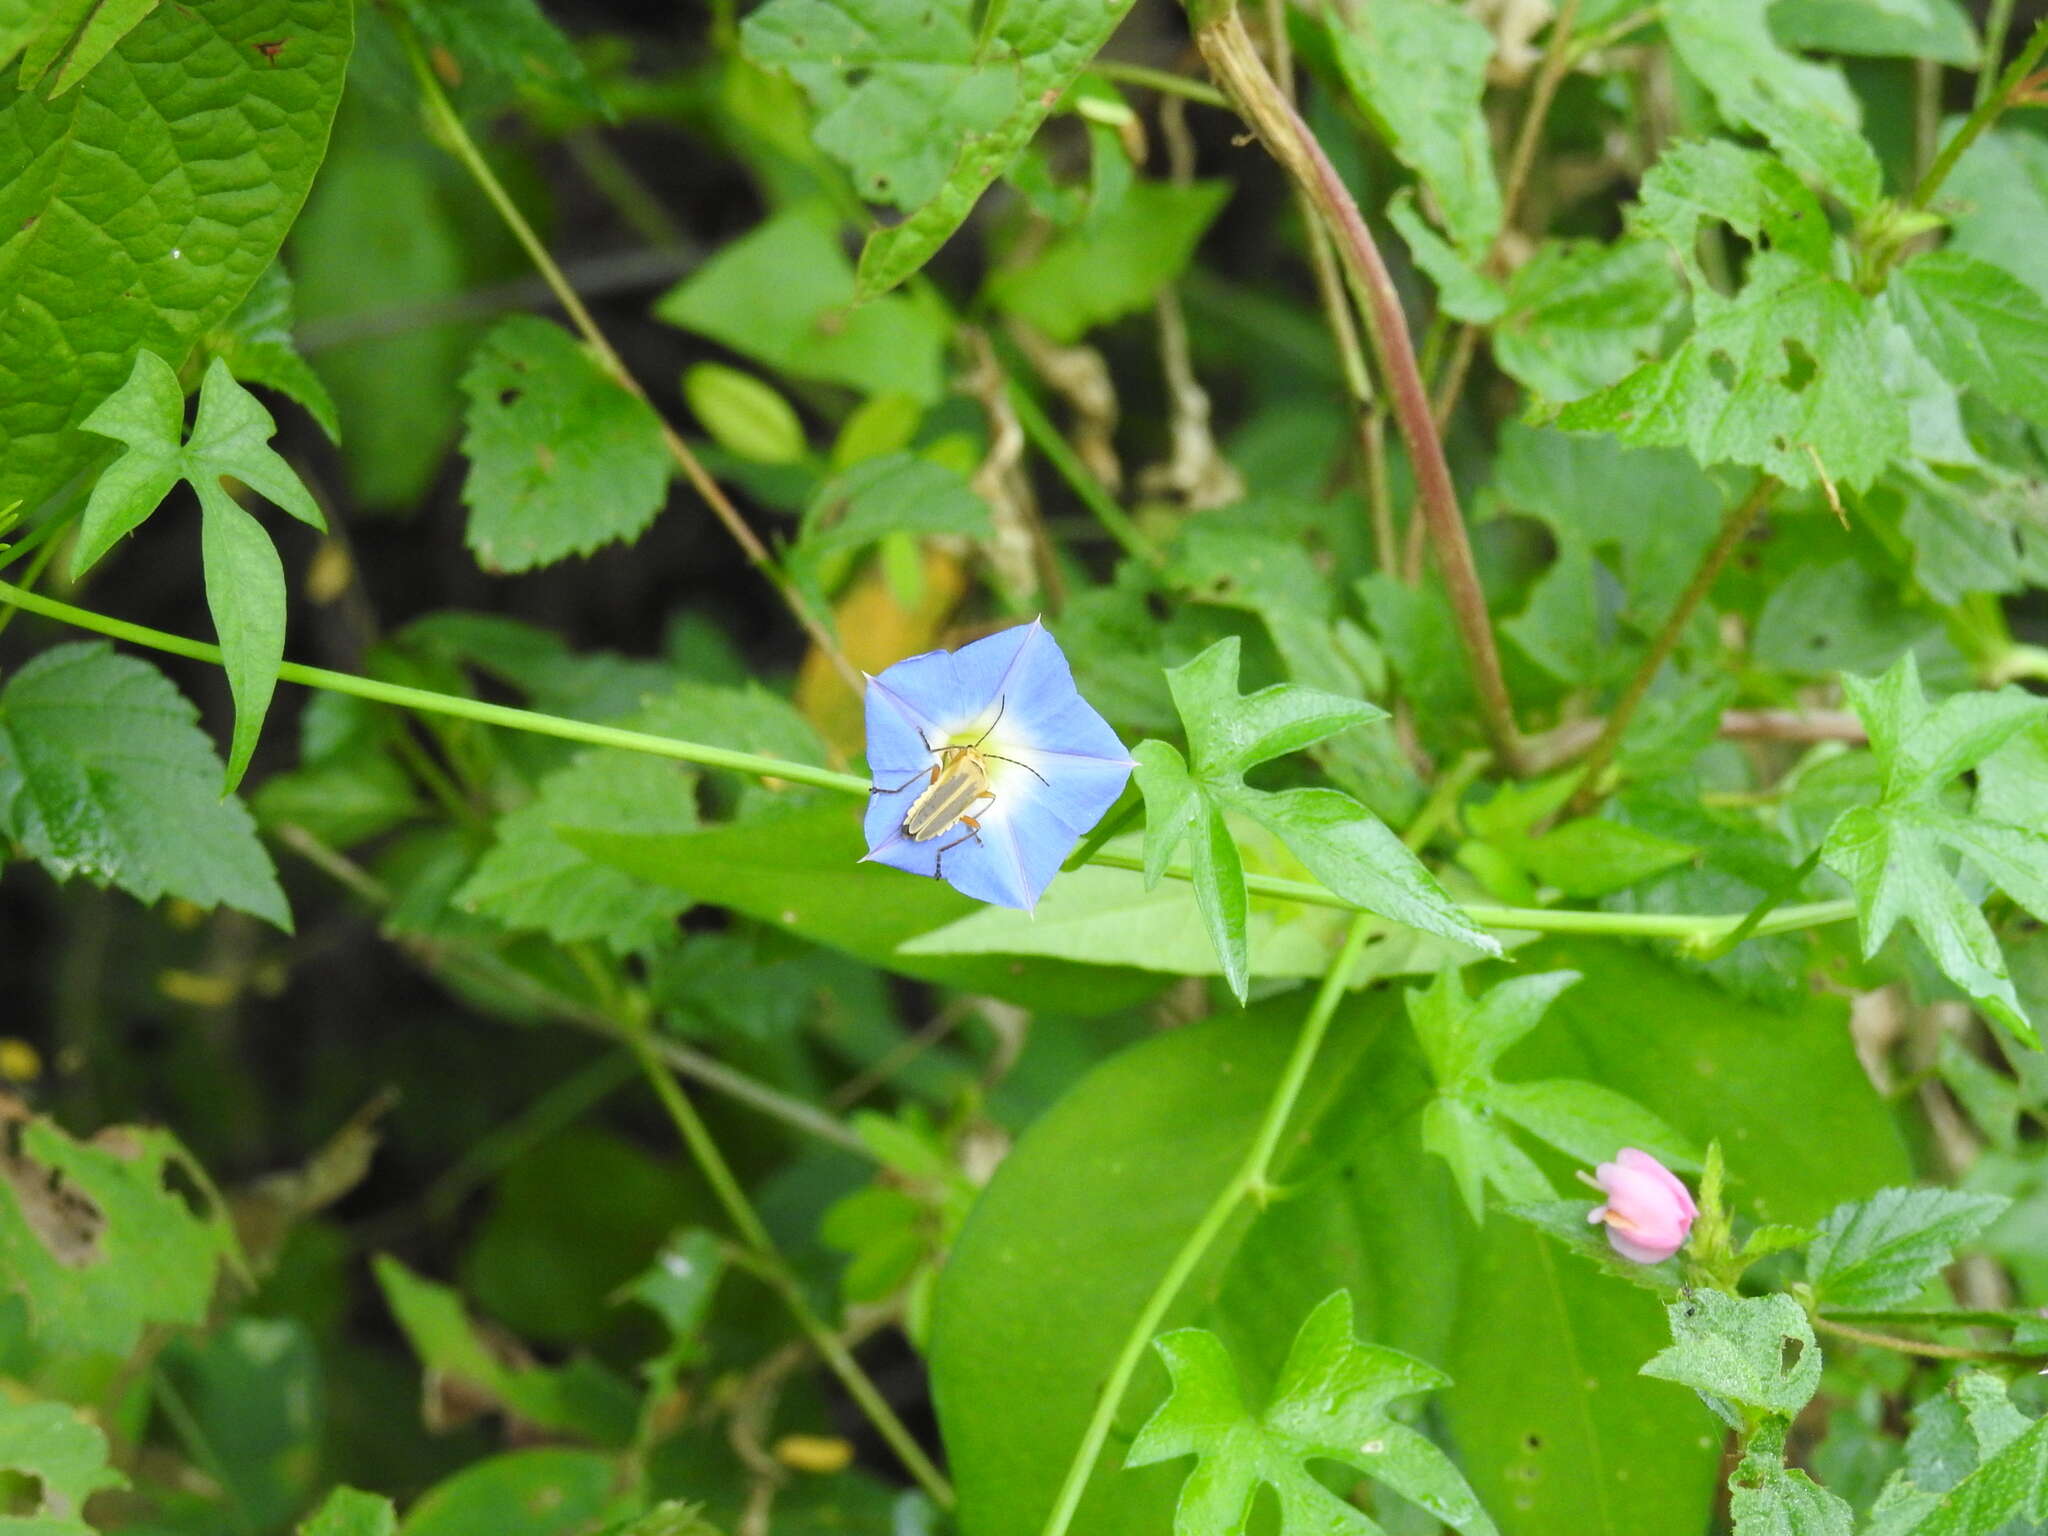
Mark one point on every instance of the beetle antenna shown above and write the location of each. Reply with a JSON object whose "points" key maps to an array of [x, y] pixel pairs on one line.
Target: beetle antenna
{"points": [[1002, 704], [1025, 766]]}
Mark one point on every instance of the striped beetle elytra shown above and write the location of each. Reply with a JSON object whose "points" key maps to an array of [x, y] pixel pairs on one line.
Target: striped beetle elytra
{"points": [[955, 784]]}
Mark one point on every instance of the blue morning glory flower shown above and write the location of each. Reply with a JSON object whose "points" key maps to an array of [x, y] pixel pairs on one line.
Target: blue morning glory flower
{"points": [[988, 765]]}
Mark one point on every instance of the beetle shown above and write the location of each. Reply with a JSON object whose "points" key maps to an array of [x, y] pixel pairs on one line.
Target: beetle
{"points": [[955, 784]]}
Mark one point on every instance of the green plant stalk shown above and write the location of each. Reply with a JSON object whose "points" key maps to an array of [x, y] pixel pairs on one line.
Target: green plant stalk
{"points": [[1045, 437], [442, 115], [1997, 23], [1251, 1180], [769, 1264], [1161, 80], [1699, 927], [1987, 112]]}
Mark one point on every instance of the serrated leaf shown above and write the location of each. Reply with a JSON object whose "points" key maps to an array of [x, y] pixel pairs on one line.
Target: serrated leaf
{"points": [[1581, 315], [1981, 326], [105, 773], [1758, 1351], [1806, 110], [1417, 69], [1767, 1498], [244, 578], [532, 880], [64, 1454], [212, 143], [1114, 265], [1782, 377], [1881, 1252], [561, 458], [1330, 1403], [351, 1512], [97, 1241], [783, 294], [256, 343], [1756, 195], [1999, 196]]}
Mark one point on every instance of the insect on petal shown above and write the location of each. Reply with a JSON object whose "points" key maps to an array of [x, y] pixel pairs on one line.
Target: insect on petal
{"points": [[1052, 764]]}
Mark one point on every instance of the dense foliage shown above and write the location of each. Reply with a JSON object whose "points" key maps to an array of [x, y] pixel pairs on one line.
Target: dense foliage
{"points": [[1534, 512]]}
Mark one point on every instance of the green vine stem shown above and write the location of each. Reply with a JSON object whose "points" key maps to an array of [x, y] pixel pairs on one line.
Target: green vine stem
{"points": [[442, 114], [1697, 928], [1253, 1181], [1987, 112]]}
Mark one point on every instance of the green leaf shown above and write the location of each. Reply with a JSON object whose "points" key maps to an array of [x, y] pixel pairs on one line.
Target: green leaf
{"points": [[561, 457], [244, 578], [1330, 1403], [1783, 377], [97, 1240], [923, 114], [256, 344], [1114, 265], [1462, 291], [1581, 315], [1881, 1252], [1417, 69], [1974, 1464], [547, 1492], [744, 415], [581, 1398], [1756, 195], [211, 145], [783, 295], [1894, 854], [1904, 29], [1343, 845], [1981, 326], [65, 1454], [79, 32], [532, 880], [351, 1512], [104, 773], [503, 47], [1593, 856], [1767, 1498], [894, 493], [1806, 110], [1758, 1351], [1999, 193]]}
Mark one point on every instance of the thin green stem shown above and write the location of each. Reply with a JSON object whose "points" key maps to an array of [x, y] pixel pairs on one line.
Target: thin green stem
{"points": [[1045, 437], [771, 1266], [1669, 925], [1164, 81], [1997, 22], [1987, 112], [1922, 1347], [1251, 1180]]}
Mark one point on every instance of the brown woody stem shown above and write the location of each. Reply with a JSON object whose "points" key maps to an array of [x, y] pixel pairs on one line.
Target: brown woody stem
{"points": [[1234, 60]]}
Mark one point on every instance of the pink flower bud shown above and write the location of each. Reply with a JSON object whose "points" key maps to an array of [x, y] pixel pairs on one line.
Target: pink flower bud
{"points": [[1648, 1211]]}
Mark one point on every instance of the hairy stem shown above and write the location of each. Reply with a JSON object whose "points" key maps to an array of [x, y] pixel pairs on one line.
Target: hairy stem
{"points": [[443, 115], [1669, 925], [1989, 106], [1235, 62], [772, 1268], [1923, 1347], [1734, 528], [1252, 1180]]}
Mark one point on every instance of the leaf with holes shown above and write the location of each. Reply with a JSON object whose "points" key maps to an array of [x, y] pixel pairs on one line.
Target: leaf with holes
{"points": [[1758, 196], [1581, 315], [107, 1236], [1786, 377], [65, 1454], [561, 457], [144, 202], [1756, 1351], [1768, 1498], [1330, 1403], [105, 773]]}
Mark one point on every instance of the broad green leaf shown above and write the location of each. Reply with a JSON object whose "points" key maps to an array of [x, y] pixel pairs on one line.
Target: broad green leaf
{"points": [[1933, 29], [1330, 1403], [351, 1512], [1881, 1252], [255, 1393], [97, 1240], [503, 47], [744, 415], [1581, 315], [1594, 855], [1114, 265], [256, 344], [1755, 194], [923, 114], [104, 773], [1981, 326], [1806, 110], [207, 146], [532, 880], [581, 1398], [1417, 69], [561, 457], [244, 578], [1782, 377], [79, 33], [546, 1492], [1758, 1351], [895, 493], [65, 1455], [783, 294], [1998, 194], [1897, 854], [1767, 1498], [1975, 1466]]}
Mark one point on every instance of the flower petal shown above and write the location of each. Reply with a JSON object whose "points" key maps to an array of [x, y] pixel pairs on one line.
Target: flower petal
{"points": [[927, 688], [1040, 706], [1073, 791], [897, 734]]}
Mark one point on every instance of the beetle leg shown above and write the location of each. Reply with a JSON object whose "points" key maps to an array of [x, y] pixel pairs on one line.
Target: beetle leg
{"points": [[876, 789], [973, 827]]}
